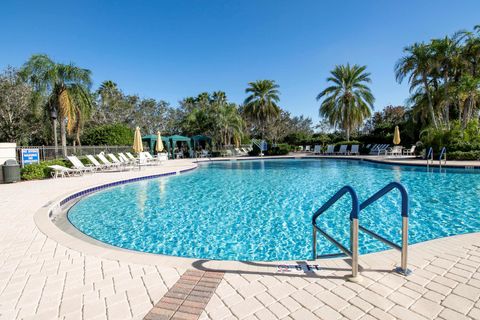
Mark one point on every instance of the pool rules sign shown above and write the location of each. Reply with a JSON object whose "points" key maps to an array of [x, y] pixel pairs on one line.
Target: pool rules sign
{"points": [[30, 156]]}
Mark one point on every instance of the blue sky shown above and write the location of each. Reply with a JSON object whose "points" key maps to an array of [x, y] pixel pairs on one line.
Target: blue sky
{"points": [[173, 49]]}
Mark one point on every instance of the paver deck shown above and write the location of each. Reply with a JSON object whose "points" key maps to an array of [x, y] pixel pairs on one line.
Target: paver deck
{"points": [[43, 279]]}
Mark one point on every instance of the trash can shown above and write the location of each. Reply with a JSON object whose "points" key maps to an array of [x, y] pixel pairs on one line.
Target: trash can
{"points": [[11, 171]]}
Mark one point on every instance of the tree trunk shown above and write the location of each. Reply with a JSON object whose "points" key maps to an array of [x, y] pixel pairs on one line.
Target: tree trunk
{"points": [[430, 104], [348, 133], [447, 105], [63, 134], [55, 138]]}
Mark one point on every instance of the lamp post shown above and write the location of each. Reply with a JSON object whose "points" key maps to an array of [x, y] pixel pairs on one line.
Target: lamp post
{"points": [[53, 117]]}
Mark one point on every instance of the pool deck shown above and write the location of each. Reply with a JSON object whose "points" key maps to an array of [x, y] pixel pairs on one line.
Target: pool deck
{"points": [[56, 277]]}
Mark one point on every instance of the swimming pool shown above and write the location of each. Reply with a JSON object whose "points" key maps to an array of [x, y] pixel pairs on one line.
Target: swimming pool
{"points": [[261, 210]]}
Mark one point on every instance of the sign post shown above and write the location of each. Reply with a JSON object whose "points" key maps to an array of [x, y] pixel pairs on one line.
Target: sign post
{"points": [[30, 156]]}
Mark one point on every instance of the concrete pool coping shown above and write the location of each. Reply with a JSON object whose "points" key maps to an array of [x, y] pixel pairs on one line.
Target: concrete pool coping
{"points": [[63, 232]]}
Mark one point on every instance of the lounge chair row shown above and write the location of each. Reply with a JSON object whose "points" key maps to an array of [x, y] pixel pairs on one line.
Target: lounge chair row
{"points": [[124, 161], [243, 151], [342, 150]]}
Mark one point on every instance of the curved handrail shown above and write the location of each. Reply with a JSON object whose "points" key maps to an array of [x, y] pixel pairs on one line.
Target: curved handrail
{"points": [[444, 151], [340, 193], [389, 187], [442, 154], [430, 153]]}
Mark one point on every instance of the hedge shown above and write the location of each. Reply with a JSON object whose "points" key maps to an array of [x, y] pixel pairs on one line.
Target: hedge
{"points": [[110, 134], [41, 170], [463, 155]]}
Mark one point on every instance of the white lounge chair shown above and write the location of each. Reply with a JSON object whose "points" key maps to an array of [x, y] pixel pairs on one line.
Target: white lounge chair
{"points": [[127, 163], [77, 164], [330, 149], [162, 157], [122, 157], [354, 149], [239, 152], [143, 160], [343, 149], [61, 171], [394, 151], [409, 152], [130, 156], [382, 148], [97, 164], [116, 160], [108, 163], [317, 149], [374, 149], [150, 158], [307, 149]]}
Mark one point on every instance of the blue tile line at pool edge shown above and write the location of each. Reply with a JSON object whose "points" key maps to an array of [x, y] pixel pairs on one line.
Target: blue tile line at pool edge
{"points": [[116, 183]]}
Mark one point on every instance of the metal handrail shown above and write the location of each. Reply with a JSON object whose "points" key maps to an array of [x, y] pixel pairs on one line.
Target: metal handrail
{"points": [[443, 154], [353, 252], [429, 156], [404, 211], [354, 226]]}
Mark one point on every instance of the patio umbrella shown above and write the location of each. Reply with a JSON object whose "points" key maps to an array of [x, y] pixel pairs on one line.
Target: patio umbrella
{"points": [[396, 136], [137, 141], [159, 145]]}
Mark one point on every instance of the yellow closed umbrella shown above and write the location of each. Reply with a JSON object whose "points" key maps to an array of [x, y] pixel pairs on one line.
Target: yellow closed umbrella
{"points": [[396, 136], [137, 141], [159, 145]]}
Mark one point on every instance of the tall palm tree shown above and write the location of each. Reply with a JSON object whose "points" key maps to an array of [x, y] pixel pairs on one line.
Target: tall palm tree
{"points": [[417, 64], [262, 102], [468, 93], [348, 100], [107, 89], [229, 123], [67, 89]]}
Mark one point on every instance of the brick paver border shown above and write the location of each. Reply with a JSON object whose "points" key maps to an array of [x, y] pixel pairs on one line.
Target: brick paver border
{"points": [[188, 297]]}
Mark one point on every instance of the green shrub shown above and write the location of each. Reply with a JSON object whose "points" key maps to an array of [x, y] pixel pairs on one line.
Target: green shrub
{"points": [[455, 139], [279, 150], [41, 170], [109, 134], [461, 155]]}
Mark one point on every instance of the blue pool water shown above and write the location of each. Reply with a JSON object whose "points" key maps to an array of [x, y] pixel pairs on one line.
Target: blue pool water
{"points": [[261, 210]]}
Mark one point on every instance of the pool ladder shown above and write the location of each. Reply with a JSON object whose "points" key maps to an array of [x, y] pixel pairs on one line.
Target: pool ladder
{"points": [[357, 207], [429, 156], [441, 158]]}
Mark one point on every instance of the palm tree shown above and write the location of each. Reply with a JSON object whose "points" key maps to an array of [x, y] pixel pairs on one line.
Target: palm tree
{"points": [[108, 89], [230, 124], [261, 104], [348, 100], [67, 89], [468, 93], [417, 64]]}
